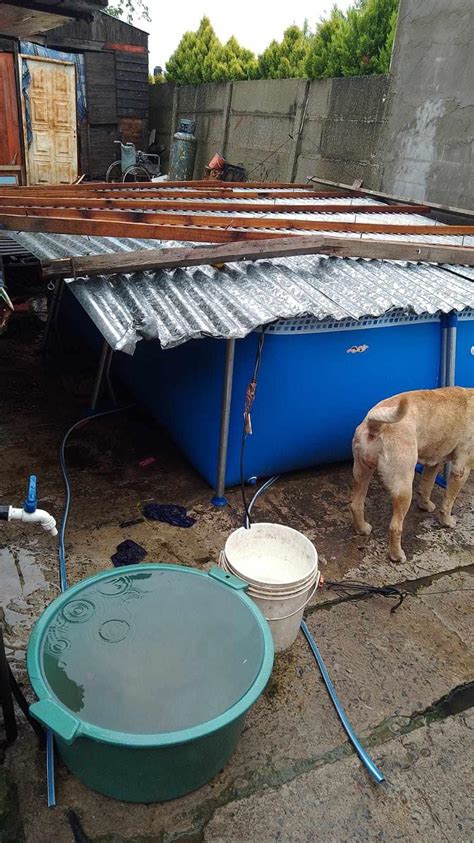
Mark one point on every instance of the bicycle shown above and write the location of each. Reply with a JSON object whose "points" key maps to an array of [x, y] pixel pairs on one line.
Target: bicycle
{"points": [[133, 165]]}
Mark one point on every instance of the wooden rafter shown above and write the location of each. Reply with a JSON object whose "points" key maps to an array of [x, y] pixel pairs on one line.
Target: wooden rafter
{"points": [[188, 212], [193, 205], [42, 217], [160, 259]]}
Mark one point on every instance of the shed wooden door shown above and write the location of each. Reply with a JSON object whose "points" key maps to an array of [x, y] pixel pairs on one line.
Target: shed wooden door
{"points": [[10, 146], [52, 153]]}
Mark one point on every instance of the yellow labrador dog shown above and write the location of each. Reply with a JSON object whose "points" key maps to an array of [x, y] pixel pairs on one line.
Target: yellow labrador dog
{"points": [[430, 426]]}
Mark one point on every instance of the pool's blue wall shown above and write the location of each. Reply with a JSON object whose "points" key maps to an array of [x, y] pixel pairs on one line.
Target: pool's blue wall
{"points": [[465, 351], [311, 392]]}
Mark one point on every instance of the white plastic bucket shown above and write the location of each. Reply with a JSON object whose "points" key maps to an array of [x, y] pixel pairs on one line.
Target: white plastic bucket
{"points": [[281, 567]]}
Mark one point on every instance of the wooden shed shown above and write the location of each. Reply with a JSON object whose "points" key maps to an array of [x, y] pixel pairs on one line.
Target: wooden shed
{"points": [[68, 92]]}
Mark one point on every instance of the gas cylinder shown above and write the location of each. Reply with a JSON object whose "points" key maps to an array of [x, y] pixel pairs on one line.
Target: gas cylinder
{"points": [[183, 152]]}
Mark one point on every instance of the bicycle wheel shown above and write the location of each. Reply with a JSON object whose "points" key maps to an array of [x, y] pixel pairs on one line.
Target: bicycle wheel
{"points": [[114, 173], [136, 173]]}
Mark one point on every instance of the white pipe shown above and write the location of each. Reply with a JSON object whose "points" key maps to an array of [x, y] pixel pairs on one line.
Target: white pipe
{"points": [[39, 516]]}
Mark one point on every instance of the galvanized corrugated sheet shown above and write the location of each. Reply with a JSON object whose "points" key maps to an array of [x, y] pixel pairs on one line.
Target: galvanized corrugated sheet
{"points": [[176, 306]]}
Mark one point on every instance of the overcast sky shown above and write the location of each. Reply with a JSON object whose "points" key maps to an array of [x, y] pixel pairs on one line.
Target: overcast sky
{"points": [[253, 22]]}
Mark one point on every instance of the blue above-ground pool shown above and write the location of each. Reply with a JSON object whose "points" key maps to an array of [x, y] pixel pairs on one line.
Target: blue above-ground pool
{"points": [[316, 383], [465, 349]]}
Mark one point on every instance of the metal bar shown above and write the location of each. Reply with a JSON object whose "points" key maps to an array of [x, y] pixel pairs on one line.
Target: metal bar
{"points": [[219, 499], [108, 379], [452, 330], [52, 312], [443, 351], [99, 376], [451, 347]]}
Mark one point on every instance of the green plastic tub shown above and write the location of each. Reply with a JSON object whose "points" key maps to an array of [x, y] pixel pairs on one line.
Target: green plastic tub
{"points": [[145, 677]]}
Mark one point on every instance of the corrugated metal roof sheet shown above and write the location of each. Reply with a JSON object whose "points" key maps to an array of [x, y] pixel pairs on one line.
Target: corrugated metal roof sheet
{"points": [[176, 306]]}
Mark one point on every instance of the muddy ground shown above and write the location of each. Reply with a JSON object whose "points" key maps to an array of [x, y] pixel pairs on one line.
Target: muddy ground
{"points": [[404, 678]]}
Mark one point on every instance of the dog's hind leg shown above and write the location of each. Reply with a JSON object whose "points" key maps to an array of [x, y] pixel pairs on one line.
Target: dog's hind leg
{"points": [[397, 468], [362, 477], [401, 500], [458, 477], [426, 487]]}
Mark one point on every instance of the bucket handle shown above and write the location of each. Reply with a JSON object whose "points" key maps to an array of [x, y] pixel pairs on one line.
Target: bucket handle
{"points": [[284, 617]]}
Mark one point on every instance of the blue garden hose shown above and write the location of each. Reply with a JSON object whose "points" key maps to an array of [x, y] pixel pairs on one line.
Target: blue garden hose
{"points": [[63, 575], [364, 757]]}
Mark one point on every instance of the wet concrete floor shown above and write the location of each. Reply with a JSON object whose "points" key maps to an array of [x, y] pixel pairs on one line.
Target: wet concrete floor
{"points": [[403, 677]]}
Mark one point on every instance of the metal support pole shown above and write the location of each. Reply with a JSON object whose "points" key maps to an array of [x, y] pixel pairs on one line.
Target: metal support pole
{"points": [[99, 376], [53, 312], [452, 332], [108, 379], [219, 499], [443, 350], [451, 349]]}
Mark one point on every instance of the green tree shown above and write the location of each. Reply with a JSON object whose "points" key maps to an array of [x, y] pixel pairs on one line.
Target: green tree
{"points": [[128, 10], [354, 44], [369, 37], [230, 62], [201, 57], [286, 58], [325, 52]]}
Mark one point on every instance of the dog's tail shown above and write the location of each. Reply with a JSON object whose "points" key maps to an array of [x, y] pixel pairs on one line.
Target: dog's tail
{"points": [[387, 415]]}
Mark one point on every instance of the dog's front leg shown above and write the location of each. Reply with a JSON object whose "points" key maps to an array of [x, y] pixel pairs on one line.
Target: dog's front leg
{"points": [[457, 479], [426, 487]]}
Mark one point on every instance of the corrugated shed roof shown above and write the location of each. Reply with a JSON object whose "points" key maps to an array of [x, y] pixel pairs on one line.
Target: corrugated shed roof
{"points": [[179, 305]]}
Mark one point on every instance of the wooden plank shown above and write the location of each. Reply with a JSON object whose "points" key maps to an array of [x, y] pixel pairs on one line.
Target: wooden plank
{"points": [[100, 81], [378, 194], [227, 188], [160, 259], [194, 205], [103, 228], [118, 190], [204, 187], [150, 219]]}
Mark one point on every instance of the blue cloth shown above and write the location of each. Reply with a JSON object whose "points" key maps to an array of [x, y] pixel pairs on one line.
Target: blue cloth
{"points": [[128, 553], [26, 48], [170, 513]]}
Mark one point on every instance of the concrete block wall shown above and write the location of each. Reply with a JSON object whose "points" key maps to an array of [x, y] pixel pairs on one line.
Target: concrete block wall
{"points": [[279, 129], [427, 145]]}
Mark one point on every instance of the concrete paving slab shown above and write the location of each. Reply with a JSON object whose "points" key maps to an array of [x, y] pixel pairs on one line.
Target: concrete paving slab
{"points": [[427, 797]]}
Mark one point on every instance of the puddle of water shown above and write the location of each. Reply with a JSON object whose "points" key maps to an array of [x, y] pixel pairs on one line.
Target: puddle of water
{"points": [[11, 585], [33, 578]]}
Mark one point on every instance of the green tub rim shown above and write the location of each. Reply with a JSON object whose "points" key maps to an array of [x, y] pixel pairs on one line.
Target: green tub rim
{"points": [[53, 714]]}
